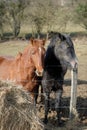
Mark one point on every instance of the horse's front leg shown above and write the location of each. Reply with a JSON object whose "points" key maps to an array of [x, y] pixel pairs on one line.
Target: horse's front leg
{"points": [[58, 105], [36, 94], [46, 95]]}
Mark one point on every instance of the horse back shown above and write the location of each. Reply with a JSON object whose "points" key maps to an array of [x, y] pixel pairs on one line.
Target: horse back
{"points": [[5, 62]]}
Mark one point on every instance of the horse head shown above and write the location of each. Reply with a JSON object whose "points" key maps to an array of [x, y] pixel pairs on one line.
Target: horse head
{"points": [[64, 49], [37, 54]]}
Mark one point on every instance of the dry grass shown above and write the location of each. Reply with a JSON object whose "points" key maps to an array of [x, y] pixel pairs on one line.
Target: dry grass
{"points": [[17, 111], [12, 47]]}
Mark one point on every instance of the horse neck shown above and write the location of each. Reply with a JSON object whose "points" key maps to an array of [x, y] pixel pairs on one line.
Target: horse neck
{"points": [[27, 61], [26, 50], [61, 65], [26, 70], [61, 62], [57, 63], [54, 41]]}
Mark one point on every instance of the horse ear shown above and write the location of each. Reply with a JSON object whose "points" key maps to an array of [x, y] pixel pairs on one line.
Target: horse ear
{"points": [[44, 41], [31, 40], [19, 56], [62, 37], [50, 34]]}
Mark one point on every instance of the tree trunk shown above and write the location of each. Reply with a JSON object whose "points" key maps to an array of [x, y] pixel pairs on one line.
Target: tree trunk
{"points": [[1, 32], [16, 29]]}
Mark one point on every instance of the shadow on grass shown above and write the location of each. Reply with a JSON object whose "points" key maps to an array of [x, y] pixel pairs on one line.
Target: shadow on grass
{"points": [[81, 109], [6, 37], [68, 82], [30, 35], [27, 36]]}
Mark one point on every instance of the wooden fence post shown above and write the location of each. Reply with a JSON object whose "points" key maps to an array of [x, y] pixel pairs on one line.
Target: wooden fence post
{"points": [[73, 100]]}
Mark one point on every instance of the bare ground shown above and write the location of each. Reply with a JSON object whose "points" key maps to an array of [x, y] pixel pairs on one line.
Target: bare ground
{"points": [[81, 51]]}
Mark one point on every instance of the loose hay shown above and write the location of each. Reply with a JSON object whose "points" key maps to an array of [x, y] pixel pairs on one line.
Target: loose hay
{"points": [[17, 111]]}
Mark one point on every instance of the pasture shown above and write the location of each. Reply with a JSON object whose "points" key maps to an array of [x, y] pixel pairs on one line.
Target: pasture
{"points": [[80, 43]]}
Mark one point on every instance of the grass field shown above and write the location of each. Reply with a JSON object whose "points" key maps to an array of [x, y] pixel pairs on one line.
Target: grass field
{"points": [[13, 47]]}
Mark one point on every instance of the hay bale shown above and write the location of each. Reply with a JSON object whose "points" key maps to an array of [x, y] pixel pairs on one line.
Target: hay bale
{"points": [[17, 111]]}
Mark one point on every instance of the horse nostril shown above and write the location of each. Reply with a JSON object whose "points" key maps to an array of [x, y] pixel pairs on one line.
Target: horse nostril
{"points": [[74, 64], [76, 67]]}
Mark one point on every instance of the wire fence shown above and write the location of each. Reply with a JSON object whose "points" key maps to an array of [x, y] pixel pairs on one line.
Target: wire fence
{"points": [[81, 104]]}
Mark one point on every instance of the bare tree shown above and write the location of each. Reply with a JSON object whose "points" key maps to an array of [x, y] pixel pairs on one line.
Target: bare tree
{"points": [[15, 10], [81, 15], [2, 17], [42, 15]]}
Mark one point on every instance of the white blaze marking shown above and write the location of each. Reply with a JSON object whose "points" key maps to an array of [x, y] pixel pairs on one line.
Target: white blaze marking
{"points": [[39, 49], [39, 53]]}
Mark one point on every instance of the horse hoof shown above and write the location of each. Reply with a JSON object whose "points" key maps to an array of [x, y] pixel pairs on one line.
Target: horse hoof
{"points": [[60, 123], [45, 121]]}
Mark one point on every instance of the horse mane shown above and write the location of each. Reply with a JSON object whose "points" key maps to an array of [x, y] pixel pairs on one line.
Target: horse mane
{"points": [[56, 37], [57, 34]]}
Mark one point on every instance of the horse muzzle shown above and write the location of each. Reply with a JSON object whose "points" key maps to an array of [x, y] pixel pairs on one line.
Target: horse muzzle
{"points": [[74, 64], [39, 73]]}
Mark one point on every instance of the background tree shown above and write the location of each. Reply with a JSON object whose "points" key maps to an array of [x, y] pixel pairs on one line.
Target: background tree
{"points": [[15, 10], [64, 16], [81, 14], [2, 17], [42, 15]]}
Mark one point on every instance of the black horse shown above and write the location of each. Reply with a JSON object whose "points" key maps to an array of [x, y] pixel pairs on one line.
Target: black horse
{"points": [[59, 56]]}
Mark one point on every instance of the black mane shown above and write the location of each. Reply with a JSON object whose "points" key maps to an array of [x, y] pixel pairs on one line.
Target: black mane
{"points": [[52, 64]]}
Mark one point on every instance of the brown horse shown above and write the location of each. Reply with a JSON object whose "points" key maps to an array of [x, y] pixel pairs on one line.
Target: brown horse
{"points": [[25, 68]]}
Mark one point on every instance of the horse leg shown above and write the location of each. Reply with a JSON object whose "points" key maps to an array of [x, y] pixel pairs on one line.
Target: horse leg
{"points": [[46, 107], [36, 95], [58, 105], [42, 97]]}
